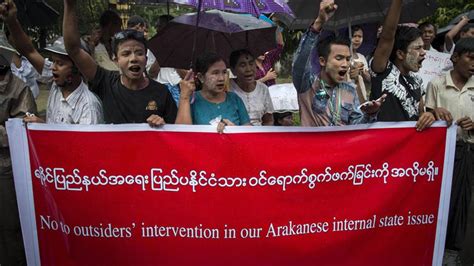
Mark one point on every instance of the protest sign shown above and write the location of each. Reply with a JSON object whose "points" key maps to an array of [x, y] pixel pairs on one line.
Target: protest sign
{"points": [[178, 195], [435, 65]]}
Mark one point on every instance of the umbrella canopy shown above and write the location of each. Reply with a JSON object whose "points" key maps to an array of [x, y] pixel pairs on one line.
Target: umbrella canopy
{"points": [[254, 7], [218, 31], [469, 14], [454, 21], [355, 12], [36, 13]]}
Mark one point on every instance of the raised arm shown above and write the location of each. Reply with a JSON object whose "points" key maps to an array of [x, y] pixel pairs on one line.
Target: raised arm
{"points": [[21, 41], [302, 70], [387, 37], [86, 64], [187, 88], [449, 37]]}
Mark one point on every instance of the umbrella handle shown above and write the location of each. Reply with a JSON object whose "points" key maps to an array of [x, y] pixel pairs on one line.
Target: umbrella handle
{"points": [[193, 57]]}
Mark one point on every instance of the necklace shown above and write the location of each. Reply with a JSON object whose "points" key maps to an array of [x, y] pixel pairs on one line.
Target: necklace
{"points": [[334, 110]]}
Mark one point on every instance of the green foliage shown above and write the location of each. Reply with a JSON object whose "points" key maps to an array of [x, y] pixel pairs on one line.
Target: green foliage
{"points": [[448, 10], [89, 12], [292, 39]]}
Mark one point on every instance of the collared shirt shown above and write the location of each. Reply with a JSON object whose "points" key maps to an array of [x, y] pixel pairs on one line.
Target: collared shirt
{"points": [[257, 102], [15, 100], [321, 105], [80, 107], [459, 102], [28, 74]]}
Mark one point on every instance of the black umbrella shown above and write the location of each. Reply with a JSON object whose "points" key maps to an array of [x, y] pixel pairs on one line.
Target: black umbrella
{"points": [[36, 13], [355, 12], [218, 31], [454, 21]]}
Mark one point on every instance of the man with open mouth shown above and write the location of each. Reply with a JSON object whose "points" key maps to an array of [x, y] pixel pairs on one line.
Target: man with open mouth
{"points": [[399, 54], [69, 101], [128, 95], [327, 99]]}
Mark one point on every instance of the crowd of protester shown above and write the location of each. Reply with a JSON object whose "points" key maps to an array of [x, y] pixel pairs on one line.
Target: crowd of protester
{"points": [[112, 77]]}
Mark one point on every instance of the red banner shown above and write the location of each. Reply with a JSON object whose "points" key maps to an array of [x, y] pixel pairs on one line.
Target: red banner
{"points": [[107, 195]]}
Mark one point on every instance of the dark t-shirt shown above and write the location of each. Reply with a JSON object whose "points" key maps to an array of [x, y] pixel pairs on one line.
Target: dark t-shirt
{"points": [[122, 105], [403, 94]]}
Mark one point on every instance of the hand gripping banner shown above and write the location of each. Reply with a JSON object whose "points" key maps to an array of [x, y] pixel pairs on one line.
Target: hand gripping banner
{"points": [[178, 195]]}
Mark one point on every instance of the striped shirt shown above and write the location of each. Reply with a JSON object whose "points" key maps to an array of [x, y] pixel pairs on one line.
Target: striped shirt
{"points": [[81, 106]]}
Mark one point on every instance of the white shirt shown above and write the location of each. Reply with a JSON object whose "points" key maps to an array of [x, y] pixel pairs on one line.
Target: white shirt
{"points": [[361, 58], [167, 75], [27, 73], [257, 102], [80, 107]]}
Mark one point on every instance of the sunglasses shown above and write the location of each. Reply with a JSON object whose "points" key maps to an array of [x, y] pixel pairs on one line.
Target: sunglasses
{"points": [[129, 34]]}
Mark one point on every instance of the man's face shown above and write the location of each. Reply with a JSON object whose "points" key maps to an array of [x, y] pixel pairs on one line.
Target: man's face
{"points": [[62, 70], [469, 33], [286, 121], [337, 64], [414, 56], [142, 28], [245, 69], [428, 35], [464, 64], [131, 59]]}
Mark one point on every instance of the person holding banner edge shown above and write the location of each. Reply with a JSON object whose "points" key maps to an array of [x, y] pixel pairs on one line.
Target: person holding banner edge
{"points": [[327, 99], [16, 100], [451, 97]]}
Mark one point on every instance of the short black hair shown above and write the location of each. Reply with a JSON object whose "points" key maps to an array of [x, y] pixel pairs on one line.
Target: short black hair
{"points": [[204, 61], [277, 116], [464, 45], [466, 27], [426, 24], [162, 21], [235, 55], [128, 34], [136, 21], [107, 17], [403, 37], [324, 46]]}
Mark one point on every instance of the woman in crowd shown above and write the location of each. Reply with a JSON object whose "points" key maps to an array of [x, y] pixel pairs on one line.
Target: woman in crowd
{"points": [[211, 104], [253, 93]]}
